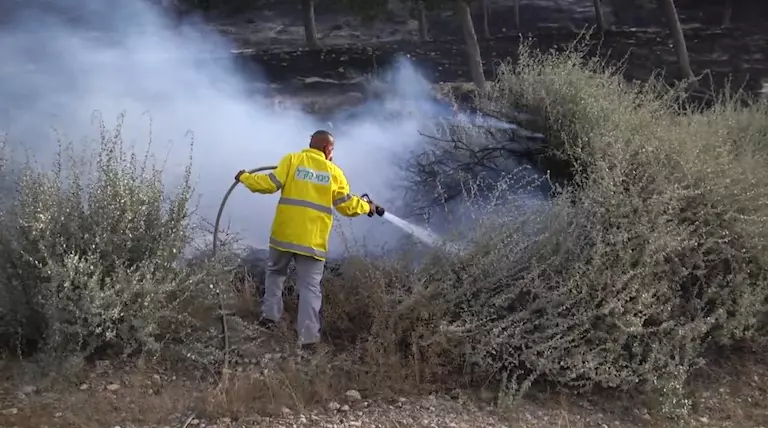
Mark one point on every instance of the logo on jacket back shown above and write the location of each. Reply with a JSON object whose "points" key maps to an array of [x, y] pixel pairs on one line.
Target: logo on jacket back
{"points": [[317, 177]]}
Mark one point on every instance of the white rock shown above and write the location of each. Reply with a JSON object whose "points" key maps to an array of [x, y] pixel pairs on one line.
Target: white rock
{"points": [[84, 386], [353, 395], [11, 411], [113, 387], [334, 406], [29, 389], [344, 408]]}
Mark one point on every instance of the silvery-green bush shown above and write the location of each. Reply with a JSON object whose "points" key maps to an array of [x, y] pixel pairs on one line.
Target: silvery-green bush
{"points": [[656, 254], [91, 259]]}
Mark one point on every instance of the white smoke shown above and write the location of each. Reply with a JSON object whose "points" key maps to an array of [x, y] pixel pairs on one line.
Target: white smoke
{"points": [[59, 66]]}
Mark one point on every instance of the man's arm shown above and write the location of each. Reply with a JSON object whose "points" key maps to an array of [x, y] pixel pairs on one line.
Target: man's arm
{"points": [[347, 204], [268, 183]]}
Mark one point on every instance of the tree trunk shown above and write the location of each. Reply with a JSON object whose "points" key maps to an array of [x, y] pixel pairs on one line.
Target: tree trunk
{"points": [[599, 15], [516, 14], [423, 30], [470, 39], [484, 10], [727, 13], [173, 10], [310, 30], [670, 15]]}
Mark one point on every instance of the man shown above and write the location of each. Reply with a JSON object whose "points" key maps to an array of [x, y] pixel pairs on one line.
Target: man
{"points": [[311, 186]]}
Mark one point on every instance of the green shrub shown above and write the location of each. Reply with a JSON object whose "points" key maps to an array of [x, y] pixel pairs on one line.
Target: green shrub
{"points": [[654, 254], [92, 259]]}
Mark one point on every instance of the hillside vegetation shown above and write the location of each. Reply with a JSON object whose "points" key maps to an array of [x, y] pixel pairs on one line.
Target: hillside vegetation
{"points": [[650, 260]]}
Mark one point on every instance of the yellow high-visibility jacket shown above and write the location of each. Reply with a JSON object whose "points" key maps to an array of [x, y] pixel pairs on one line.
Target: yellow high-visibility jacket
{"points": [[311, 186]]}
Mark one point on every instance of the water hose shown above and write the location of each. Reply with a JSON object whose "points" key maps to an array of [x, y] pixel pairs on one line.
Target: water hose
{"points": [[224, 202], [222, 312]]}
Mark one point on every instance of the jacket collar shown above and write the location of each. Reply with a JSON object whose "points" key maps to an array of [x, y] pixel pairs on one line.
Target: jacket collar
{"points": [[314, 152]]}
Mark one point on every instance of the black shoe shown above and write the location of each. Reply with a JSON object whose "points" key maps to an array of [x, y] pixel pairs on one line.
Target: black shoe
{"points": [[267, 324], [309, 348]]}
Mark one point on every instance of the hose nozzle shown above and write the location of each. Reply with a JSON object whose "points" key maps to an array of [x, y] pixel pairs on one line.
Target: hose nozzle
{"points": [[379, 210]]}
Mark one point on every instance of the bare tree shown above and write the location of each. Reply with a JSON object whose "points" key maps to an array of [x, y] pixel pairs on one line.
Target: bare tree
{"points": [[727, 13], [422, 18], [484, 9], [464, 14], [310, 29], [470, 38], [516, 10], [599, 15], [673, 22]]}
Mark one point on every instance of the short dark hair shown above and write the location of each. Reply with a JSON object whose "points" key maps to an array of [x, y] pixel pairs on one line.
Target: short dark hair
{"points": [[321, 133]]}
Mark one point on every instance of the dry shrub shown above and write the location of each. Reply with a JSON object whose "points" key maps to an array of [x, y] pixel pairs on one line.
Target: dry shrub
{"points": [[91, 259], [265, 391], [655, 253], [375, 330]]}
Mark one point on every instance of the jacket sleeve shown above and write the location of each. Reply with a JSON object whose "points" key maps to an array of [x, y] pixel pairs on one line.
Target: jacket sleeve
{"points": [[271, 182], [346, 203]]}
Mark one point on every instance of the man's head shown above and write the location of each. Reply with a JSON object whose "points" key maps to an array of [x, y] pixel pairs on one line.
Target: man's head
{"points": [[323, 141]]}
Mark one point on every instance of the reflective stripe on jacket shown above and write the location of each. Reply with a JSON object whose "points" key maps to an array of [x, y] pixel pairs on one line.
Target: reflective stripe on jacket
{"points": [[311, 187]]}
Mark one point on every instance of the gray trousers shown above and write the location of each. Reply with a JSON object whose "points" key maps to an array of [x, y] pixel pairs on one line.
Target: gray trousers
{"points": [[309, 272]]}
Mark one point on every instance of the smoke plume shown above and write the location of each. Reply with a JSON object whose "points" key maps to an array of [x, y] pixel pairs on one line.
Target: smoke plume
{"points": [[60, 62]]}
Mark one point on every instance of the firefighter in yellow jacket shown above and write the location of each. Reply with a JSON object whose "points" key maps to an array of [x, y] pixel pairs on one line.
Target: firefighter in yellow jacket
{"points": [[311, 187]]}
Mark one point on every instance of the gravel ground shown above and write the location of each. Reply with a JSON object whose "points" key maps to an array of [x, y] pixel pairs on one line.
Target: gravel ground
{"points": [[128, 397]]}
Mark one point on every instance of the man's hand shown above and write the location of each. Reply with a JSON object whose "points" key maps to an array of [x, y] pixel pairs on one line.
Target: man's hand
{"points": [[239, 173], [375, 209]]}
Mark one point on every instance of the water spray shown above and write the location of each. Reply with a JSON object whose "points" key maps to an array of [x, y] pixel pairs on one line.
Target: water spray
{"points": [[419, 233], [423, 235]]}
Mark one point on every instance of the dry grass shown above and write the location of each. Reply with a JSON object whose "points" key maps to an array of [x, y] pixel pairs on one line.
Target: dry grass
{"points": [[370, 333], [730, 396]]}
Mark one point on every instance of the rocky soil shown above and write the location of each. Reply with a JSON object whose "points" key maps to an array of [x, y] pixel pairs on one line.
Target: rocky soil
{"points": [[265, 393]]}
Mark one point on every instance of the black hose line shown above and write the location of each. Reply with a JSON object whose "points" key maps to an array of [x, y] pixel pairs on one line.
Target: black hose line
{"points": [[224, 202], [222, 312]]}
